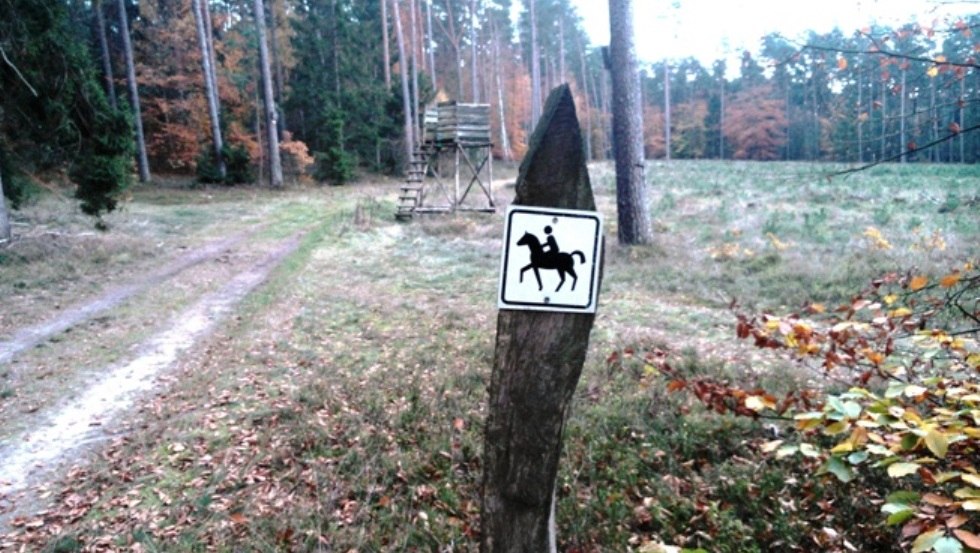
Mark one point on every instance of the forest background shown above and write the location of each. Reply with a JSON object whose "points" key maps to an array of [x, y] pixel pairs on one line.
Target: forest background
{"points": [[854, 95]]}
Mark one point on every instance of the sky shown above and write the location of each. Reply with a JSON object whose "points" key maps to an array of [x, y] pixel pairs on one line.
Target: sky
{"points": [[713, 29]]}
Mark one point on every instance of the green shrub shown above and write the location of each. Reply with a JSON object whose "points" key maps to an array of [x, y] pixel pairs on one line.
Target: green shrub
{"points": [[334, 166]]}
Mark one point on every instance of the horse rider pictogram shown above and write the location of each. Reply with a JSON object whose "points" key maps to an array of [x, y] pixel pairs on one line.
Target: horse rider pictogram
{"points": [[549, 256]]}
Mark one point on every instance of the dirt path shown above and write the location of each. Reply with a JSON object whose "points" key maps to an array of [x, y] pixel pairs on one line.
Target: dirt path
{"points": [[29, 337], [36, 455]]}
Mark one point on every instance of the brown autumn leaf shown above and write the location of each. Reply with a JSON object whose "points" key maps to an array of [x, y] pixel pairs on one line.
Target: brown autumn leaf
{"points": [[918, 283], [950, 280], [969, 539], [238, 518], [459, 424], [954, 127], [937, 500], [842, 63]]}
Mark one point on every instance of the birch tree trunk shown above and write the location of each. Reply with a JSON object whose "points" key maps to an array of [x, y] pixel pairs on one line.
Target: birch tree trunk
{"points": [[110, 86], [631, 196], [210, 88], [385, 43], [4, 214], [406, 96], [271, 125], [535, 66], [142, 162]]}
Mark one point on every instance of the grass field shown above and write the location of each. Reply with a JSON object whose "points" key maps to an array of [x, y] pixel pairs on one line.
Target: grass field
{"points": [[342, 410]]}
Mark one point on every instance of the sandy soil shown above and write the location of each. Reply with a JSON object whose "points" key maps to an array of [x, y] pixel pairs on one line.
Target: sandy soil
{"points": [[62, 432]]}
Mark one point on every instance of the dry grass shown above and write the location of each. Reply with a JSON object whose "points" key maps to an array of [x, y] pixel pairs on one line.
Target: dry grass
{"points": [[343, 409]]}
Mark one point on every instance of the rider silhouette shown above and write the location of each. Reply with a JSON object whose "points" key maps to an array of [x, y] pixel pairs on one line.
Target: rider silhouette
{"points": [[550, 245]]}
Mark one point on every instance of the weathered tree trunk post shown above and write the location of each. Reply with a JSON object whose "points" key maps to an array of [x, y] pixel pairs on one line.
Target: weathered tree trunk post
{"points": [[538, 359]]}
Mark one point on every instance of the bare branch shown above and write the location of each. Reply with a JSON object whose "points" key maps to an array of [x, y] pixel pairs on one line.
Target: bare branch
{"points": [[17, 71], [890, 54], [903, 153]]}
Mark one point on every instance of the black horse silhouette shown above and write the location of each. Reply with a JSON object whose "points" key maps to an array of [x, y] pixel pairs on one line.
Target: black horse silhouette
{"points": [[540, 259]]}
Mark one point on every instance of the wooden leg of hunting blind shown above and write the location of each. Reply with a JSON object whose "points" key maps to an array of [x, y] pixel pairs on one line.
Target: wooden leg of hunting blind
{"points": [[537, 361]]}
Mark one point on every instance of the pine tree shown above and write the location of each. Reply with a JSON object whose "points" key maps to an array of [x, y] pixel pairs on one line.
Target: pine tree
{"points": [[631, 197]]}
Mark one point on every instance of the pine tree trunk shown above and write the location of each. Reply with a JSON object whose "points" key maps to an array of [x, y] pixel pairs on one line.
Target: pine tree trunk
{"points": [[884, 120], [414, 43], [589, 154], [110, 86], [902, 142], [562, 75], [721, 121], [271, 125], [406, 95], [134, 97], [535, 65], [475, 82], [631, 196], [537, 361], [962, 121], [501, 99], [385, 43], [428, 45], [210, 88], [860, 156], [278, 73], [4, 214], [666, 110]]}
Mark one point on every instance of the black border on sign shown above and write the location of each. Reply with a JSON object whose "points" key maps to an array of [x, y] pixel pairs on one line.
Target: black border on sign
{"points": [[592, 275]]}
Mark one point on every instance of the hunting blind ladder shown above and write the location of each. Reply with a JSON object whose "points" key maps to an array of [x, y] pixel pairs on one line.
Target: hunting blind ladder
{"points": [[456, 137]]}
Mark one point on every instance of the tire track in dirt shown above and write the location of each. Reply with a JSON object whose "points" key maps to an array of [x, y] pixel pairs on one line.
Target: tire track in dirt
{"points": [[28, 337], [68, 430]]}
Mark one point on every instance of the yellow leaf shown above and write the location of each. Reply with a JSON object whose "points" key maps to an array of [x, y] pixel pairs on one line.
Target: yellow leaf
{"points": [[932, 71], [918, 283], [890, 299], [971, 479], [898, 470], [769, 447], [950, 280], [755, 403], [937, 443], [900, 312], [940, 59]]}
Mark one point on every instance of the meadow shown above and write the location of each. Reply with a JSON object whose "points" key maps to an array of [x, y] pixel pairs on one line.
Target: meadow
{"points": [[342, 409]]}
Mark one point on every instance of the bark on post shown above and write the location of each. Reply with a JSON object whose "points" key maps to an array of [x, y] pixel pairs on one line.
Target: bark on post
{"points": [[538, 359]]}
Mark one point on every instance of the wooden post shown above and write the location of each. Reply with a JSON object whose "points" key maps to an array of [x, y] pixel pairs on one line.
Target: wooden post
{"points": [[537, 361]]}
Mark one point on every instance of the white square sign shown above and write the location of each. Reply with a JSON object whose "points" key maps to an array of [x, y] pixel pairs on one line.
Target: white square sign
{"points": [[550, 259]]}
